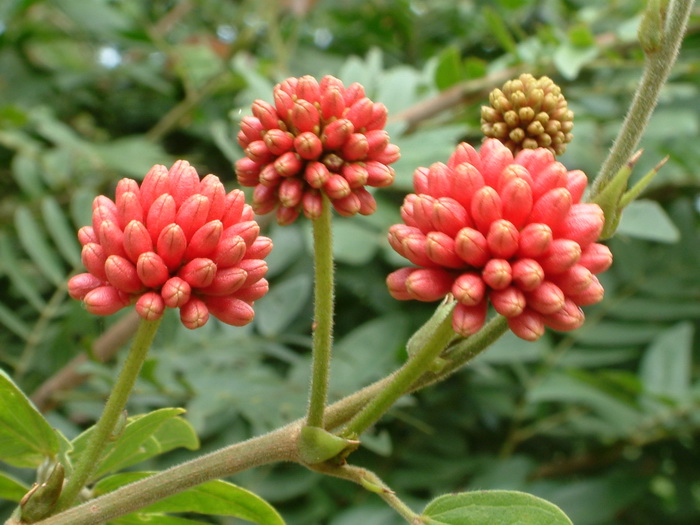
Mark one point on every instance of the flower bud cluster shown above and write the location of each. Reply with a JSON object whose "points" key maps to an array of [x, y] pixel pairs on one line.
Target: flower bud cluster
{"points": [[174, 241], [318, 138], [488, 227], [528, 113]]}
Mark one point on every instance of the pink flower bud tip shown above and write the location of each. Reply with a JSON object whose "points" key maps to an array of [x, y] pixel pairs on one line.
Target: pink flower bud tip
{"points": [[321, 136], [512, 232], [176, 241]]}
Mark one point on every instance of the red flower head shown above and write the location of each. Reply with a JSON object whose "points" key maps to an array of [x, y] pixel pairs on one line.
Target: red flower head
{"points": [[512, 231], [317, 138], [173, 241]]}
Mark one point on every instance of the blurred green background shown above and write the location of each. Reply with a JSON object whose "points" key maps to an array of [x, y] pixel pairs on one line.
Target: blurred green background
{"points": [[604, 421]]}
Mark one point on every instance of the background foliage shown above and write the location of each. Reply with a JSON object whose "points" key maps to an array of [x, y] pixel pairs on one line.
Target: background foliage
{"points": [[603, 422]]}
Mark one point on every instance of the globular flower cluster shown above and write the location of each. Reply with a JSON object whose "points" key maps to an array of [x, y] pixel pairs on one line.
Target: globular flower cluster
{"points": [[528, 113], [174, 241], [318, 138], [488, 227]]}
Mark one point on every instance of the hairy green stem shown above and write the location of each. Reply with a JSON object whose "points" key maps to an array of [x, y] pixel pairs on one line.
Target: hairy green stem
{"points": [[656, 71], [269, 448], [323, 314], [402, 380], [89, 459]]}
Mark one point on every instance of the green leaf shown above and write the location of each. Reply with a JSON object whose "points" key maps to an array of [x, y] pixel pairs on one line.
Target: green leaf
{"points": [[11, 489], [34, 242], [646, 219], [214, 497], [143, 518], [143, 437], [13, 323], [569, 59], [497, 28], [354, 243], [132, 156], [62, 233], [494, 507], [24, 284], [666, 368], [449, 69], [282, 304], [596, 393], [26, 438], [27, 173]]}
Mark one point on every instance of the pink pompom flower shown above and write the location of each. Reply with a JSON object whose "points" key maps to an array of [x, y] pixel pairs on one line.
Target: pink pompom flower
{"points": [[174, 241], [488, 227], [317, 138]]}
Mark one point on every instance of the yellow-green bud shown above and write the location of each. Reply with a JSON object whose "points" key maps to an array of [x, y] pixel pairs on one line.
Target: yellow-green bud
{"points": [[535, 107]]}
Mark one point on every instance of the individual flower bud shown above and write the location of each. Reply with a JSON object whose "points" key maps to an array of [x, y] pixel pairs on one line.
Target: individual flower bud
{"points": [[440, 248], [199, 273], [429, 284], [596, 257], [355, 174], [79, 285], [137, 240], [527, 274], [472, 247], [312, 204], [266, 114], [277, 142], [469, 289], [308, 145], [286, 214], [529, 325], [176, 292], [502, 239], [151, 269], [105, 300], [87, 234], [259, 152], [356, 147], [347, 206], [150, 306], [379, 175], [161, 214], [230, 309], [254, 291], [194, 313], [497, 273], [111, 238], [288, 164], [368, 205], [192, 214], [528, 113], [252, 128], [337, 133], [227, 281], [467, 320], [129, 207], [546, 298], [509, 301], [121, 273], [449, 216], [171, 245], [316, 174], [290, 192], [94, 257]]}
